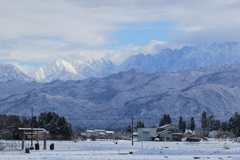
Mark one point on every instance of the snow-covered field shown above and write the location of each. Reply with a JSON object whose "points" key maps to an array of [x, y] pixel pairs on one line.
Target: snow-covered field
{"points": [[109, 150]]}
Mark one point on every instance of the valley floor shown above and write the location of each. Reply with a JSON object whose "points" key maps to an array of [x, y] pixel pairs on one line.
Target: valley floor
{"points": [[109, 150]]}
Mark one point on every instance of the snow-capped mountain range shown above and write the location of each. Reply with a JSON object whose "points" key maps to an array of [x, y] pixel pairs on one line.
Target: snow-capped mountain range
{"points": [[194, 58], [74, 70], [203, 77], [217, 56]]}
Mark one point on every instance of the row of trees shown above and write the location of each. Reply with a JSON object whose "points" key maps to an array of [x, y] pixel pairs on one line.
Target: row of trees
{"points": [[208, 123], [56, 125], [183, 125]]}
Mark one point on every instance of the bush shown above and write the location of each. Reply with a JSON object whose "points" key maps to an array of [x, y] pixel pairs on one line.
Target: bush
{"points": [[93, 137]]}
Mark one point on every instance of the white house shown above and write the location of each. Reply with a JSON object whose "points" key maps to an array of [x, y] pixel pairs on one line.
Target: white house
{"points": [[90, 133], [145, 134], [167, 132], [99, 133]]}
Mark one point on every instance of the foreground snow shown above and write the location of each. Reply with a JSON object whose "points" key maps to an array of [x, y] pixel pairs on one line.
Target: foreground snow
{"points": [[109, 150]]}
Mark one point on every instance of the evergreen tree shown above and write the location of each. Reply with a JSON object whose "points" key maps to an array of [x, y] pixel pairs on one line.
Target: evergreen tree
{"points": [[230, 124], [129, 129], [168, 119], [34, 122], [139, 125], [63, 128], [210, 123], [237, 126], [42, 120], [57, 126], [165, 120], [223, 126], [215, 124], [192, 124], [183, 126], [233, 125], [180, 123], [204, 120], [162, 122]]}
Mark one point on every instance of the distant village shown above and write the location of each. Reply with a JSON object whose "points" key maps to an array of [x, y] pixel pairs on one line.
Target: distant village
{"points": [[56, 127]]}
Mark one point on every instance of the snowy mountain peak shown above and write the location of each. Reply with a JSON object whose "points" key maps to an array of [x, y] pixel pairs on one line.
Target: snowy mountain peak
{"points": [[58, 69], [62, 65], [76, 63], [74, 70], [10, 72]]}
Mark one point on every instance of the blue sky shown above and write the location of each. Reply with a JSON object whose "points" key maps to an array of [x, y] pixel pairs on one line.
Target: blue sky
{"points": [[141, 34], [34, 33], [36, 64]]}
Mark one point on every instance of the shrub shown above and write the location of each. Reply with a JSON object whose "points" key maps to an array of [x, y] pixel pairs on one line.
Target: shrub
{"points": [[93, 137]]}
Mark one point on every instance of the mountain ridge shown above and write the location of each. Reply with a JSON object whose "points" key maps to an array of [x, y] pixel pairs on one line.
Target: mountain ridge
{"points": [[198, 57], [10, 72], [128, 94], [214, 57]]}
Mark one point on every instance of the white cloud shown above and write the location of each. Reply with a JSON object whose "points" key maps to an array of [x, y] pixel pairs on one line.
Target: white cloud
{"points": [[123, 52], [24, 68], [43, 30]]}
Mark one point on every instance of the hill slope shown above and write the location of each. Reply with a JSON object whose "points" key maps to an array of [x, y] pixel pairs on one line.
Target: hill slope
{"points": [[119, 97]]}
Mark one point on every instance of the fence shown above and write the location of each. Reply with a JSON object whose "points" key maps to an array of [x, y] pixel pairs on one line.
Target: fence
{"points": [[10, 145]]}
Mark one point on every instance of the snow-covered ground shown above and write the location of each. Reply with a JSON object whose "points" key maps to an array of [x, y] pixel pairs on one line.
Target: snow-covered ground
{"points": [[109, 150]]}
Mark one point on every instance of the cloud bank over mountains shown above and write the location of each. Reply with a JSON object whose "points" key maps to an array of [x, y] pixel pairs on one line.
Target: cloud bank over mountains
{"points": [[214, 57], [41, 31]]}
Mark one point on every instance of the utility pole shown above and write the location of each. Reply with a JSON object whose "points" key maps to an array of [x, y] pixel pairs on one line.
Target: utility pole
{"points": [[132, 131], [32, 131], [12, 132]]}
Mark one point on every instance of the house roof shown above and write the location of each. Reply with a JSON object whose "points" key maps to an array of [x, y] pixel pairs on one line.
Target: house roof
{"points": [[163, 131], [108, 132], [147, 129], [166, 125], [30, 129], [99, 130], [179, 134], [102, 133]]}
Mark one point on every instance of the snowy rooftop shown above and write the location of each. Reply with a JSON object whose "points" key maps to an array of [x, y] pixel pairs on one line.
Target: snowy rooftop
{"points": [[34, 129], [166, 125]]}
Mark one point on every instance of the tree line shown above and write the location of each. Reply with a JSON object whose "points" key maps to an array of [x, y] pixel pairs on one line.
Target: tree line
{"points": [[208, 123], [56, 125]]}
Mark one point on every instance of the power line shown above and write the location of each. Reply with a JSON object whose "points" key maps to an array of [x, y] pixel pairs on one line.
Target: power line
{"points": [[122, 118]]}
